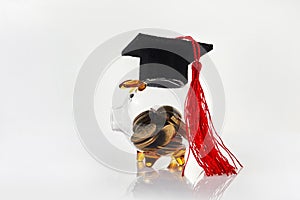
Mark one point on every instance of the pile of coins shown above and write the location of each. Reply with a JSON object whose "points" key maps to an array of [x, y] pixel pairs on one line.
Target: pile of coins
{"points": [[158, 133]]}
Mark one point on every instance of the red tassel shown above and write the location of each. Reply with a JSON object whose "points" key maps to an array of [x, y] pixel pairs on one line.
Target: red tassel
{"points": [[204, 141]]}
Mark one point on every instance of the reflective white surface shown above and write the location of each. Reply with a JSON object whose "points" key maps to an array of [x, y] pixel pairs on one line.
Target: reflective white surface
{"points": [[169, 184], [47, 167], [44, 43]]}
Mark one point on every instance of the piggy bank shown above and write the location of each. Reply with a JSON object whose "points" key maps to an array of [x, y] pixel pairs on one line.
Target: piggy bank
{"points": [[154, 128]]}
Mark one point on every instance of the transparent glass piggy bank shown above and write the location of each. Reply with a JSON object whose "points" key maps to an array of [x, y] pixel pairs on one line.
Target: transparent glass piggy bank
{"points": [[152, 120]]}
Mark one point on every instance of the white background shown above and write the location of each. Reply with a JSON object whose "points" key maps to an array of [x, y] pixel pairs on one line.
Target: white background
{"points": [[44, 43]]}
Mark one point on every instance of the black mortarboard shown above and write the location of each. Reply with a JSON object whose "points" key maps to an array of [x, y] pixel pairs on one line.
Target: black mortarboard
{"points": [[163, 61]]}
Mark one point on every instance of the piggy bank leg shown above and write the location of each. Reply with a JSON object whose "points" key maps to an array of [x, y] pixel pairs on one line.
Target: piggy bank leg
{"points": [[140, 156], [150, 158], [173, 164], [146, 173], [179, 156]]}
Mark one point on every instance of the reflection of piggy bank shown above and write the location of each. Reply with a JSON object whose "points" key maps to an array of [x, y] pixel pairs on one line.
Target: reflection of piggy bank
{"points": [[159, 133], [169, 184]]}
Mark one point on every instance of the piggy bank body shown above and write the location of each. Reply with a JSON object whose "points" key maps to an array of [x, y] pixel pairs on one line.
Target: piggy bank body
{"points": [[151, 120], [159, 132]]}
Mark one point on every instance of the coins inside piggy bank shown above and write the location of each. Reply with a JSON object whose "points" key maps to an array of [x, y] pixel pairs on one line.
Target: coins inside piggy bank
{"points": [[143, 132], [168, 133], [159, 132], [169, 111], [147, 117]]}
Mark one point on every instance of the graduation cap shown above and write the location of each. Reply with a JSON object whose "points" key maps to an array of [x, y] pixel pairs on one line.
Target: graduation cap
{"points": [[163, 61]]}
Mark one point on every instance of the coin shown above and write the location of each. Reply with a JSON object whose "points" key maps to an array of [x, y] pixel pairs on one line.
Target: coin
{"points": [[144, 145], [169, 132], [148, 117], [159, 131], [171, 114], [143, 132], [142, 119]]}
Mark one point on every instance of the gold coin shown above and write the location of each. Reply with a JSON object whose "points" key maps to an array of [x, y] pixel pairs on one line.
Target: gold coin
{"points": [[142, 119], [142, 145], [148, 117], [162, 138], [159, 131], [171, 114], [143, 132], [169, 132]]}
